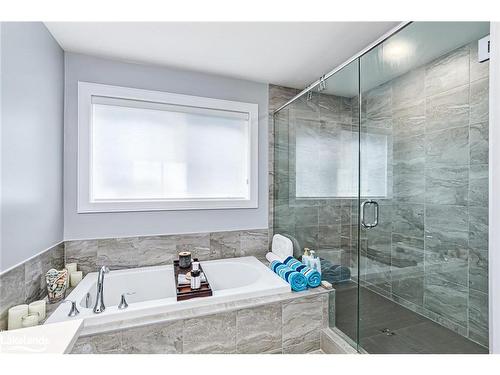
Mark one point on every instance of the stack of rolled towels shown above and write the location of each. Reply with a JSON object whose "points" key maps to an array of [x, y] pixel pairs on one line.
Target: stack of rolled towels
{"points": [[299, 276]]}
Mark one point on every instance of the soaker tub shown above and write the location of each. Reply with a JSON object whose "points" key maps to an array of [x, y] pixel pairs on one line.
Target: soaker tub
{"points": [[152, 290]]}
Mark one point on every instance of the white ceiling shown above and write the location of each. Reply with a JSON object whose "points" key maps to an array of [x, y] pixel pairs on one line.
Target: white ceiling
{"points": [[291, 54]]}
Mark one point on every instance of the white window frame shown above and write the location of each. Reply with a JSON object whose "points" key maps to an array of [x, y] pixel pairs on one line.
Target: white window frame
{"points": [[87, 90]]}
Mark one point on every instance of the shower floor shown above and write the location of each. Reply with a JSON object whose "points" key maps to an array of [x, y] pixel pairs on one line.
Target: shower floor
{"points": [[388, 328]]}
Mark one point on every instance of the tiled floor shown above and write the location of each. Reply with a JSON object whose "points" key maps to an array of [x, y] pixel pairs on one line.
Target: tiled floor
{"points": [[407, 332]]}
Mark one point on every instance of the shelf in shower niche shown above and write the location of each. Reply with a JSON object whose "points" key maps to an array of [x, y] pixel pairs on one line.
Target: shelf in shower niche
{"points": [[185, 292]]}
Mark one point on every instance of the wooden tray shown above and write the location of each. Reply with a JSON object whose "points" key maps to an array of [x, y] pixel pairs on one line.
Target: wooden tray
{"points": [[185, 292]]}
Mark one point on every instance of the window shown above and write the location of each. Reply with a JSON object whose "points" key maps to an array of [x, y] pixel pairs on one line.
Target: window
{"points": [[142, 150], [326, 162]]}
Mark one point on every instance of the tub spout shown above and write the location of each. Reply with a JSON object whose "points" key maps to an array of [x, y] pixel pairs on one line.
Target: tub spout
{"points": [[99, 300]]}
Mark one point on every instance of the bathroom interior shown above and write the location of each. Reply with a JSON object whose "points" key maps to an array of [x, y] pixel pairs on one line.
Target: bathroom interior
{"points": [[156, 209]]}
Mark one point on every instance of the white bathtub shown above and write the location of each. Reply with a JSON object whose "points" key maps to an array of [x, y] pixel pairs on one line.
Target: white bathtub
{"points": [[154, 290]]}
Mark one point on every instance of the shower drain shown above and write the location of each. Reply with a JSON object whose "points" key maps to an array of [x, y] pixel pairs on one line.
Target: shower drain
{"points": [[387, 331]]}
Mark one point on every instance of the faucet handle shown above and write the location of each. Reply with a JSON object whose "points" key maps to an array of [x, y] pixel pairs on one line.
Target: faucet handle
{"points": [[123, 302], [74, 310]]}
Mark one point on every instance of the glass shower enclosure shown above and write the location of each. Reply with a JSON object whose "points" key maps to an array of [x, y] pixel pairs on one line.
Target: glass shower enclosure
{"points": [[382, 168]]}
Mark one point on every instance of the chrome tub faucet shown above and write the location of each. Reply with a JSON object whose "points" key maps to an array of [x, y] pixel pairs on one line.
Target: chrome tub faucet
{"points": [[99, 300]]}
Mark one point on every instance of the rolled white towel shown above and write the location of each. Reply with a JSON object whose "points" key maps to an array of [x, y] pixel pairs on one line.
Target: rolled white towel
{"points": [[272, 257]]}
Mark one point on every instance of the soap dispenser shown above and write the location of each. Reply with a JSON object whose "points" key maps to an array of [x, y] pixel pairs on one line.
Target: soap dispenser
{"points": [[315, 262], [195, 276], [306, 258]]}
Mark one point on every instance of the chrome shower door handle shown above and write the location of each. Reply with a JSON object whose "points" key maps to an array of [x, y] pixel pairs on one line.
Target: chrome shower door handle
{"points": [[375, 222], [362, 213]]}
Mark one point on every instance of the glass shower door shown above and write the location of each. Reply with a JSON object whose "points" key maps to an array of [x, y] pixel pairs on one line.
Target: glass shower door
{"points": [[316, 147], [423, 192]]}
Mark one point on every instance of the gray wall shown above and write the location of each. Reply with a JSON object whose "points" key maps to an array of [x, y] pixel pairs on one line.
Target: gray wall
{"points": [[32, 141], [103, 225]]}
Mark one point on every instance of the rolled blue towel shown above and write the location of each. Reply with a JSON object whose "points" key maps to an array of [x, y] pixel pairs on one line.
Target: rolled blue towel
{"points": [[297, 281], [313, 277]]}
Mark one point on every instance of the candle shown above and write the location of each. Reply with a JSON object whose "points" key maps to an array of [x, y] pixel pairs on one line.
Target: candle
{"points": [[16, 315], [71, 267], [30, 320], [75, 278], [38, 307]]}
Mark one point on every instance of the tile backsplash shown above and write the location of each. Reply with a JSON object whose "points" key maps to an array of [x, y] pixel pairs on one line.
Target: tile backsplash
{"points": [[26, 282], [129, 252]]}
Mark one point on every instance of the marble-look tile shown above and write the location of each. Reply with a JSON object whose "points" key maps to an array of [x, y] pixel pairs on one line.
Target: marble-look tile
{"points": [[377, 267], [478, 185], [103, 343], [306, 237], [385, 216], [408, 182], [254, 243], [410, 150], [225, 244], [34, 276], [329, 212], [306, 215], [446, 299], [478, 227], [279, 95], [409, 121], [447, 267], [329, 108], [155, 250], [306, 109], [284, 213], [478, 69], [447, 110], [407, 254], [164, 338], [447, 185], [210, 334], [55, 258], [478, 270], [130, 252], [258, 329], [408, 219], [408, 88], [445, 218], [479, 101], [329, 236], [446, 243], [479, 143], [302, 321], [83, 252], [12, 289], [197, 243], [409, 288], [378, 106], [478, 317], [447, 147], [447, 72]]}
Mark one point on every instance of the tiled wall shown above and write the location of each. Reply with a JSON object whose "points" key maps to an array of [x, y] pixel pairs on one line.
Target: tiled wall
{"points": [[429, 251], [290, 326], [321, 224], [26, 282], [130, 252]]}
